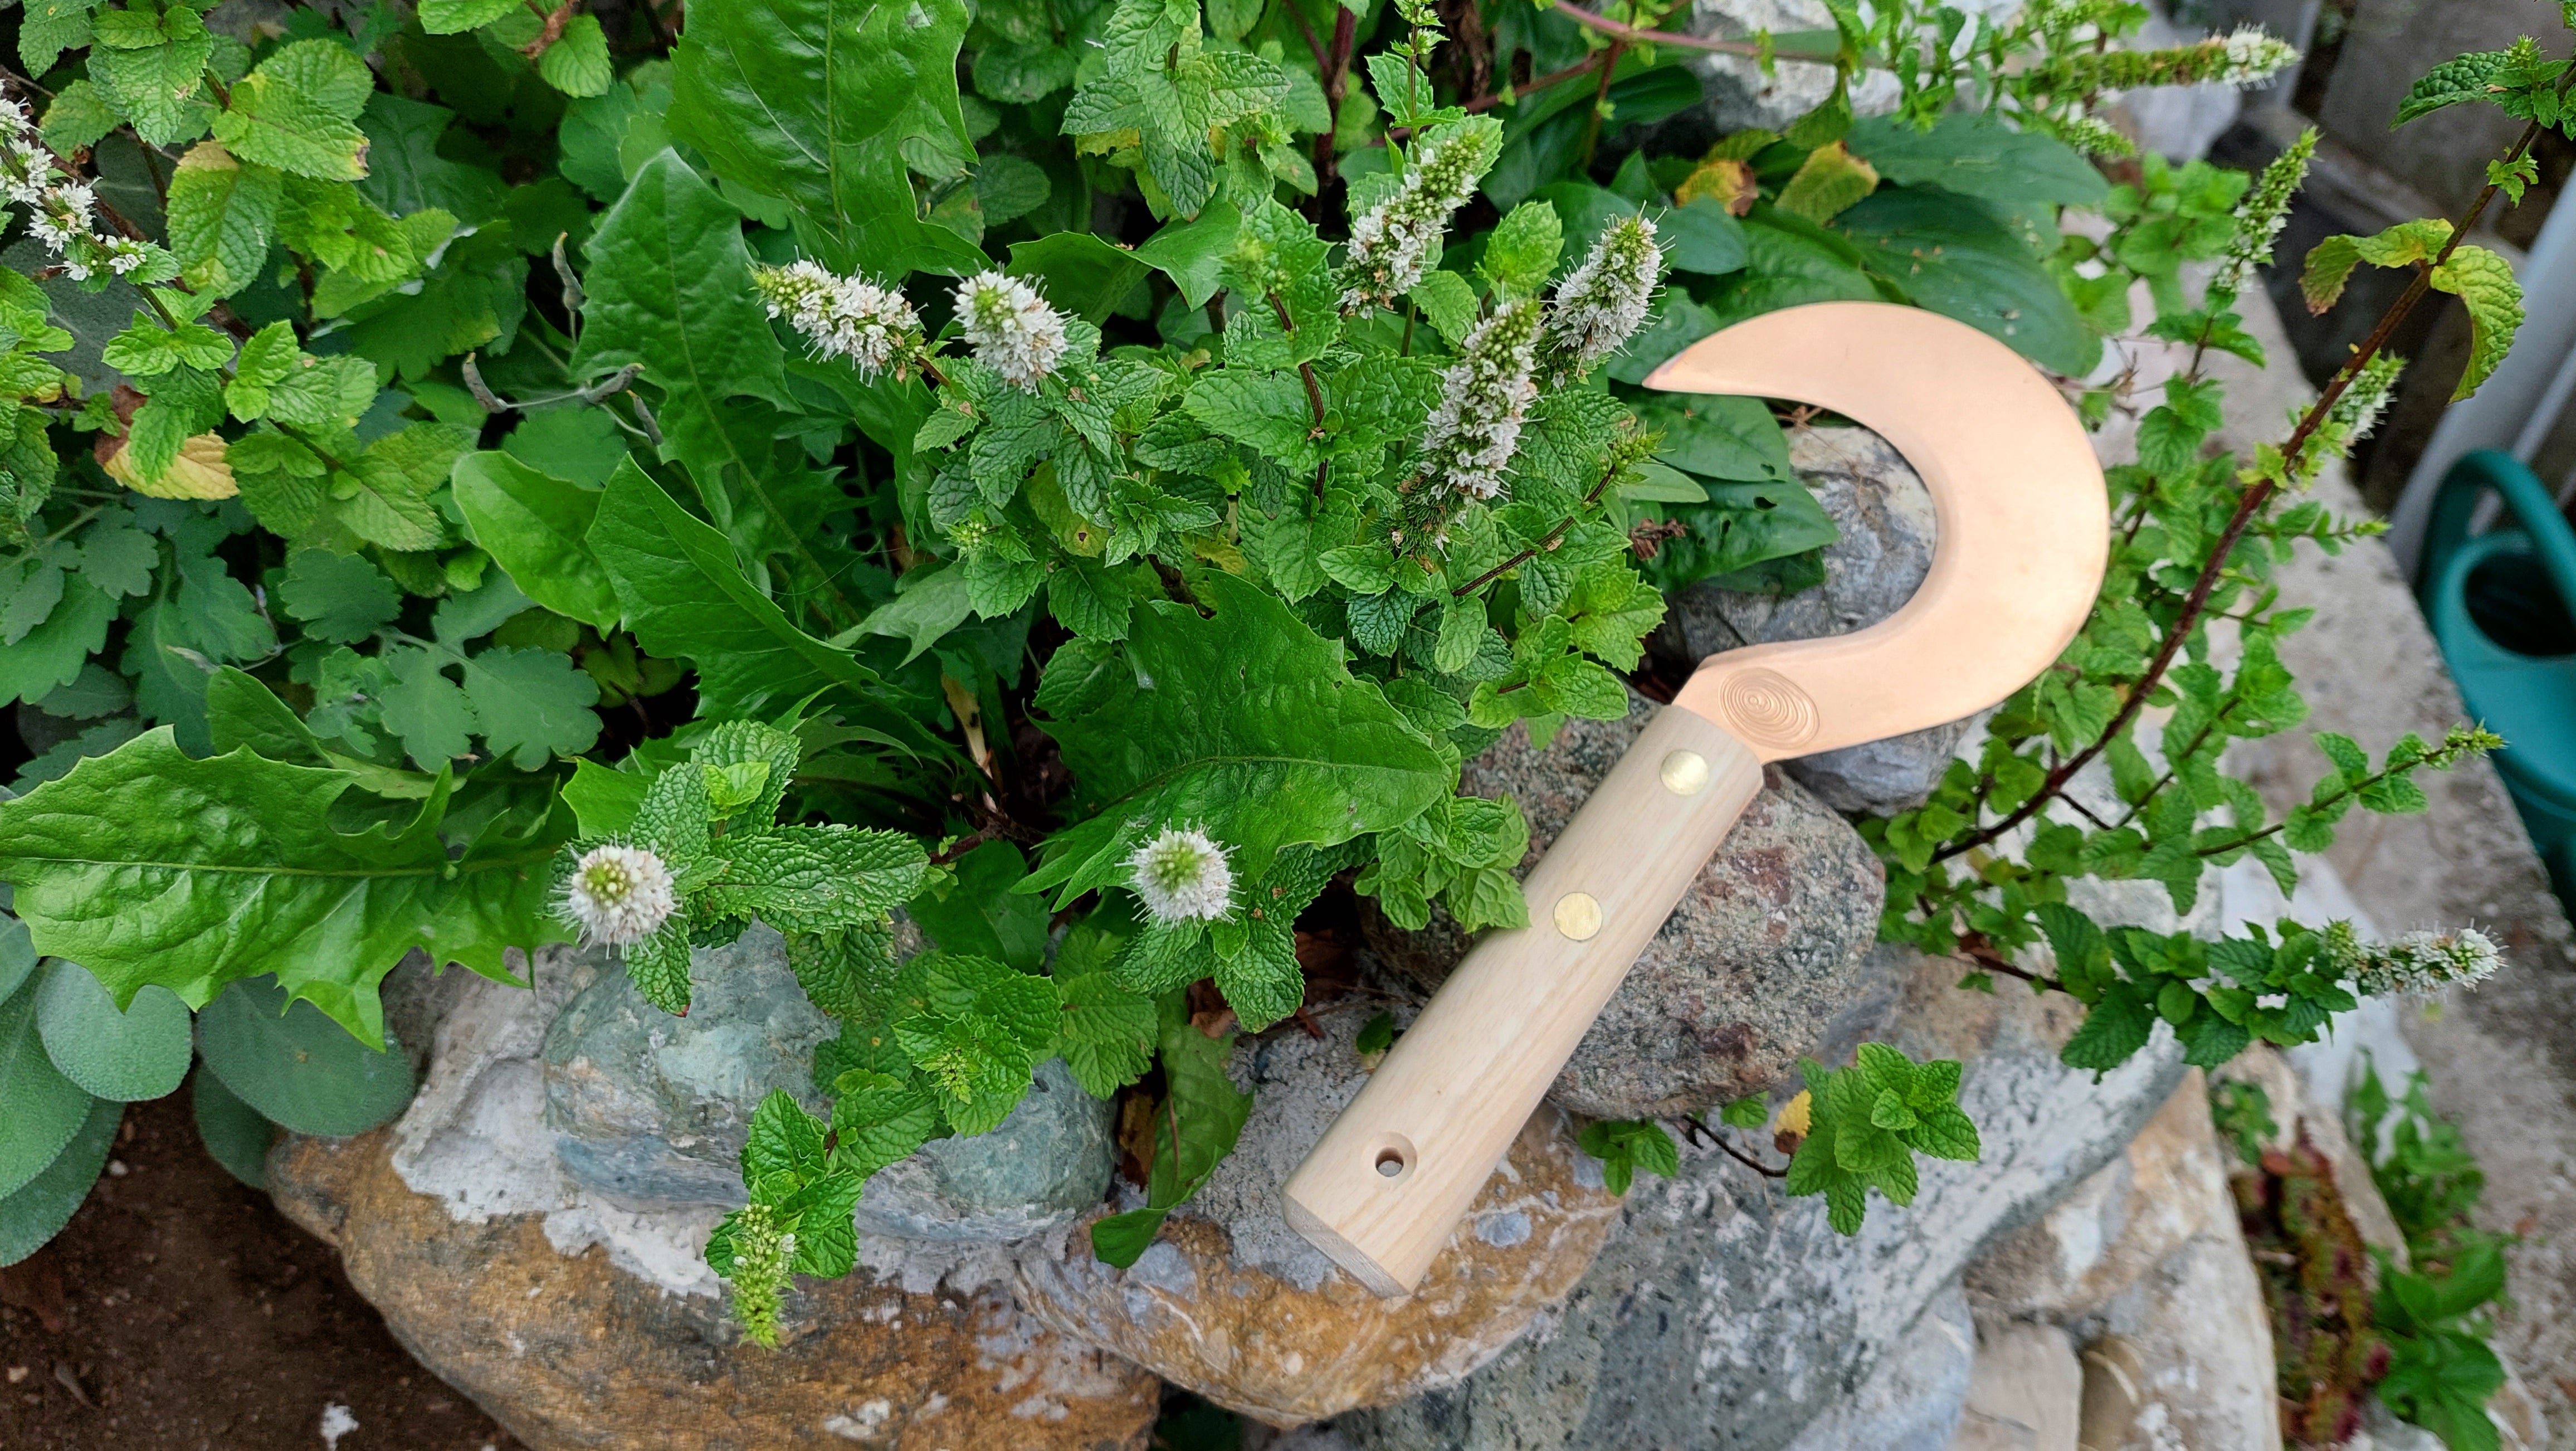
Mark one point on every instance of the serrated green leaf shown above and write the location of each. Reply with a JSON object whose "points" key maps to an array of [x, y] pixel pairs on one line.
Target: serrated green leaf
{"points": [[811, 878], [531, 705], [272, 122], [1247, 724], [2460, 79], [2492, 297], [577, 64], [672, 290], [1109, 1033], [337, 596], [449, 17]]}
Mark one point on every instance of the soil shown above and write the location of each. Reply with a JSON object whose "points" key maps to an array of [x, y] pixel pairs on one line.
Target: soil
{"points": [[180, 1311]]}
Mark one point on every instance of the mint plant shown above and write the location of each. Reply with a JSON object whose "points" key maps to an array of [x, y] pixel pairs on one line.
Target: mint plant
{"points": [[1073, 481]]}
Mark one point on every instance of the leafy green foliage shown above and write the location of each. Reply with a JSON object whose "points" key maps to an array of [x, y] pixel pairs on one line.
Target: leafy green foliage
{"points": [[138, 1052], [297, 1067], [1625, 1146], [1866, 1125]]}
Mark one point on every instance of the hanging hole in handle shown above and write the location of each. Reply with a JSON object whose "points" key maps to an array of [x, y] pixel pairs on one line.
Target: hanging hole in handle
{"points": [[1394, 1157]]}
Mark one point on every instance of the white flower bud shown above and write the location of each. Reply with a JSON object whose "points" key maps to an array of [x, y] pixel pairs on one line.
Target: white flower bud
{"points": [[1182, 876], [618, 895], [1469, 438], [1395, 242], [843, 317], [1013, 331], [1603, 301], [2418, 964]]}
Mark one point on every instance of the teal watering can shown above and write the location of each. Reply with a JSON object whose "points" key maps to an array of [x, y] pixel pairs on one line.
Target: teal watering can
{"points": [[2500, 605]]}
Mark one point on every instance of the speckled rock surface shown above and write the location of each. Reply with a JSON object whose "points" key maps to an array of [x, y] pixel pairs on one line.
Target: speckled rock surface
{"points": [[573, 1354], [1747, 974], [1727, 1317], [1915, 1399], [649, 1109], [1740, 95], [1232, 1304], [1888, 533]]}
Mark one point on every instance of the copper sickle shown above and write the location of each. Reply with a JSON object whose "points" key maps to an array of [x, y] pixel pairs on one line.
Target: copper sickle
{"points": [[2024, 529]]}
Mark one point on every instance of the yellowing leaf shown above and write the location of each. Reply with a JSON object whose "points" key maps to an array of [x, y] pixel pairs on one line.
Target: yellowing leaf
{"points": [[1797, 1116], [199, 472], [1726, 181], [1830, 180]]}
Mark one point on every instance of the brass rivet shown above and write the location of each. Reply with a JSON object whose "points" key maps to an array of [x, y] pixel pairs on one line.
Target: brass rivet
{"points": [[1578, 916], [1685, 773]]}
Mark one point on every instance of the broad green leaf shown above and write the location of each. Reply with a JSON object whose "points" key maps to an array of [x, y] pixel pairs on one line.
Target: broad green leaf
{"points": [[1827, 184], [1192, 253], [1247, 724], [118, 867], [139, 1052], [297, 1067], [1078, 272], [1976, 156], [814, 102], [37, 1210], [17, 956], [236, 1135], [928, 605], [685, 597], [671, 290], [536, 527], [1950, 255], [45, 1108]]}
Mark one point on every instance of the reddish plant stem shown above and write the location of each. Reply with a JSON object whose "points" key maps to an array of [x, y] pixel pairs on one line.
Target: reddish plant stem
{"points": [[2256, 496]]}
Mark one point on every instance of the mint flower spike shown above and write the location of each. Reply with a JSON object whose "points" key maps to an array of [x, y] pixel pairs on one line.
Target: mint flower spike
{"points": [[2416, 965], [617, 895], [1395, 242], [842, 317], [1182, 876], [2266, 207], [1484, 396], [59, 205], [1603, 301], [1011, 328]]}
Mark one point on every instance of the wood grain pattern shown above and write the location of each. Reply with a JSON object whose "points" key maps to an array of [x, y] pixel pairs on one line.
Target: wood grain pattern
{"points": [[1444, 1105]]}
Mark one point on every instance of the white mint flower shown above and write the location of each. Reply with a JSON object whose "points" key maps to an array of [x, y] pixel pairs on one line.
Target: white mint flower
{"points": [[1484, 396], [1013, 330], [617, 895], [1602, 302], [2418, 964], [1394, 242], [843, 317], [60, 205], [1182, 876], [2253, 57]]}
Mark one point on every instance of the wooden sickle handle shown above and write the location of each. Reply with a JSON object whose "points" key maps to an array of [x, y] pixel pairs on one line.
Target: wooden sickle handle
{"points": [[2024, 528], [1385, 1186]]}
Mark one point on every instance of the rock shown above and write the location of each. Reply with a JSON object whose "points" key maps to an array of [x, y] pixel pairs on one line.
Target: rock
{"points": [[1885, 514], [1739, 95], [1913, 1401], [2027, 1392], [1758, 959], [1047, 1164], [1231, 1304], [1727, 1317], [650, 1109], [2382, 1431], [2170, 1186], [572, 1352], [2190, 1360]]}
